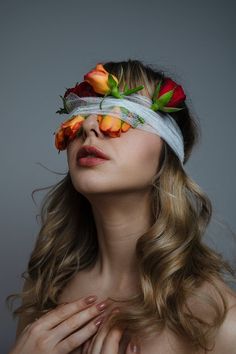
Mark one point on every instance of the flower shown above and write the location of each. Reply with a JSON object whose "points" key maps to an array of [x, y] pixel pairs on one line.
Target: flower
{"points": [[99, 82], [67, 131], [112, 126], [98, 79], [107, 84], [84, 89], [168, 95], [60, 141]]}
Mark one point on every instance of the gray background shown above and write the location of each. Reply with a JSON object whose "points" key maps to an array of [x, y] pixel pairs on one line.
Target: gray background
{"points": [[49, 45]]}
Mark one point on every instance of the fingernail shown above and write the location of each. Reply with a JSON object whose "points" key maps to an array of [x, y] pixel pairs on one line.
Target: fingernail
{"points": [[99, 320], [90, 299], [102, 306], [134, 348], [115, 310]]}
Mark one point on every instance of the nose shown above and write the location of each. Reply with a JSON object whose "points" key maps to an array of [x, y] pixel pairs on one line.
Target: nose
{"points": [[90, 126]]}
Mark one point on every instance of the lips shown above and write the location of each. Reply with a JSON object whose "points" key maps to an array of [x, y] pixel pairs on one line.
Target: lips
{"points": [[87, 150]]}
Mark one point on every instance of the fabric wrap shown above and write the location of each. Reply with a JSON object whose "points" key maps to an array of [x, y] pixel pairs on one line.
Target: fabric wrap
{"points": [[133, 109]]}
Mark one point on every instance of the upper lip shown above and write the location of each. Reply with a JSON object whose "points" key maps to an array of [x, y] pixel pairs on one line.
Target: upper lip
{"points": [[88, 150]]}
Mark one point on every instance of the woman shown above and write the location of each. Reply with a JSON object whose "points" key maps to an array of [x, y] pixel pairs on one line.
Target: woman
{"points": [[127, 229]]}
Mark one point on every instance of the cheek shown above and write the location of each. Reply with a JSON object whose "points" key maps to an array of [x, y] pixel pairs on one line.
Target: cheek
{"points": [[140, 162]]}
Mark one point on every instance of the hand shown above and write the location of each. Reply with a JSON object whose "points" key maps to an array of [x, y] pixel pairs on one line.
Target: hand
{"points": [[107, 341], [61, 330]]}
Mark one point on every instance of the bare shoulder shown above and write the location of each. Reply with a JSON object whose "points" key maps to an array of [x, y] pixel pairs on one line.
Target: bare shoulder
{"points": [[226, 337], [225, 341]]}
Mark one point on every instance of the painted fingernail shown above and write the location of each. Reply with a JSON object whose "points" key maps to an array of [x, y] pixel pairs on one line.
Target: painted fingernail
{"points": [[115, 310], [99, 320], [90, 299], [102, 306], [134, 348]]}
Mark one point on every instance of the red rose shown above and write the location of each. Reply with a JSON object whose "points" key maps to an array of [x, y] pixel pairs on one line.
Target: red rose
{"points": [[178, 96], [84, 89]]}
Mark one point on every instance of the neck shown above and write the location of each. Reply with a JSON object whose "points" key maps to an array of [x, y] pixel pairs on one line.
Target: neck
{"points": [[120, 220]]}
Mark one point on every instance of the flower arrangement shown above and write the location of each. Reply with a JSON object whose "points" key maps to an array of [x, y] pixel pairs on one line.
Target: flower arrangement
{"points": [[100, 83]]}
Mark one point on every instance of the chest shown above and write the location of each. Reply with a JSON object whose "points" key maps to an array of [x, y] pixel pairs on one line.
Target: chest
{"points": [[165, 343]]}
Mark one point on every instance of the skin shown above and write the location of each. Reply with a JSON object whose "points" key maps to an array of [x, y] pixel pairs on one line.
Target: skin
{"points": [[114, 190], [119, 193], [65, 330]]}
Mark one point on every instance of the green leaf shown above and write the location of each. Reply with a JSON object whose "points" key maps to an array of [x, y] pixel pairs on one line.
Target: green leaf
{"points": [[141, 119], [155, 106], [124, 110], [130, 91], [61, 111], [165, 98], [111, 82], [100, 105], [66, 109], [157, 90], [116, 93], [171, 109]]}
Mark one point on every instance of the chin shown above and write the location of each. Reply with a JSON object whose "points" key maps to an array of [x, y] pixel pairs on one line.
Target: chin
{"points": [[91, 186]]}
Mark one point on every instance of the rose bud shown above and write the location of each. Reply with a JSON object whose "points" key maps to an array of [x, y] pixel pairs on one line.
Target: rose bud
{"points": [[98, 79], [60, 141], [84, 89], [178, 95], [68, 131], [110, 124]]}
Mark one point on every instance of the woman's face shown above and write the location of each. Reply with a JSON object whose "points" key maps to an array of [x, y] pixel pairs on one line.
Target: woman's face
{"points": [[134, 160]]}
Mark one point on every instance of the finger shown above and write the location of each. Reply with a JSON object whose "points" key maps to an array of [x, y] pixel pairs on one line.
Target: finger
{"points": [[91, 344], [76, 351], [97, 341], [86, 346], [112, 341], [78, 337], [132, 348], [76, 321], [63, 312]]}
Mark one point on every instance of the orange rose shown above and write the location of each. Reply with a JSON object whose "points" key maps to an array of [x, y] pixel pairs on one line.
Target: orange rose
{"points": [[111, 125], [60, 141], [98, 79], [68, 131]]}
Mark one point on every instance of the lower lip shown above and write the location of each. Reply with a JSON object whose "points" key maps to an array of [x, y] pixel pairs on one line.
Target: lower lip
{"points": [[90, 161]]}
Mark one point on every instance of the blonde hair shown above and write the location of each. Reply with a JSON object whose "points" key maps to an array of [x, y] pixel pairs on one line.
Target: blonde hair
{"points": [[172, 259]]}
